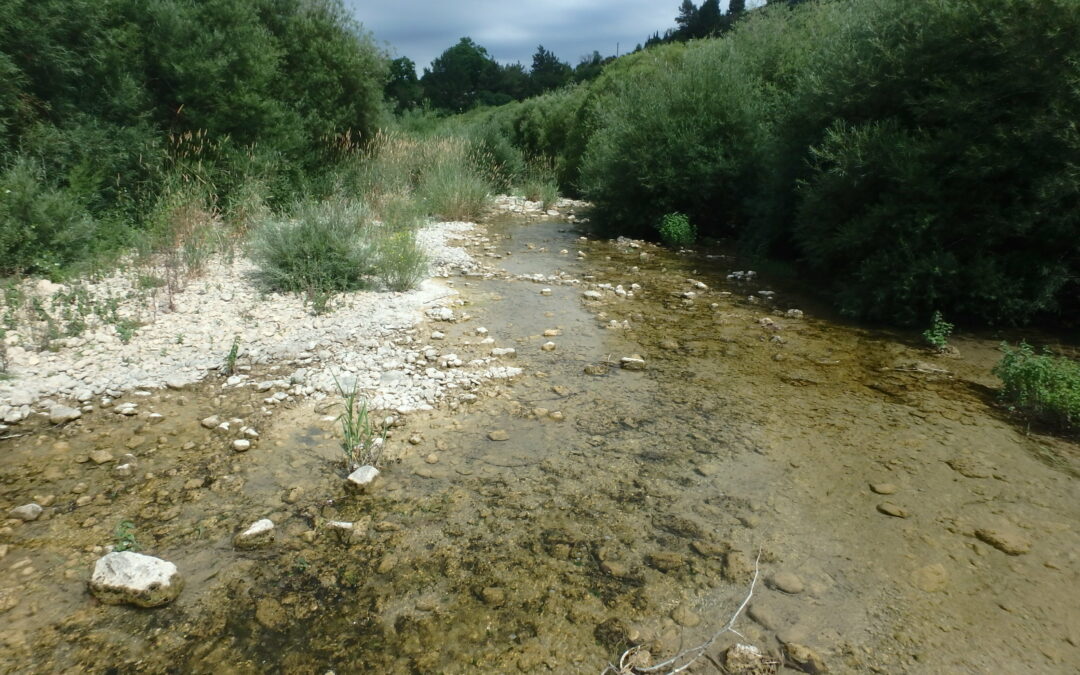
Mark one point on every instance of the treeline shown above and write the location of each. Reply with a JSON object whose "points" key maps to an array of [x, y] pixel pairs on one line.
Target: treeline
{"points": [[912, 155], [111, 108], [466, 76]]}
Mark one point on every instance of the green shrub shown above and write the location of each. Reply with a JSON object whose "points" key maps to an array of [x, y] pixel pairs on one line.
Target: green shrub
{"points": [[402, 263], [937, 335], [1044, 386], [325, 248], [42, 227], [675, 230]]}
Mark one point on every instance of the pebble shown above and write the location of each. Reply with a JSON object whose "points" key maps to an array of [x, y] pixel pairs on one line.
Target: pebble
{"points": [[931, 578], [884, 488], [633, 362], [548, 346], [666, 561], [257, 535], [787, 582], [545, 291], [495, 597], [1007, 540], [432, 459], [552, 332], [363, 476], [890, 509], [27, 512], [615, 568], [685, 617], [498, 435], [210, 422], [596, 369], [61, 414], [241, 445], [101, 456], [804, 658]]}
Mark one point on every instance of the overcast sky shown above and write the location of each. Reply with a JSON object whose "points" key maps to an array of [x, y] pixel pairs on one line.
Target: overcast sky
{"points": [[511, 31]]}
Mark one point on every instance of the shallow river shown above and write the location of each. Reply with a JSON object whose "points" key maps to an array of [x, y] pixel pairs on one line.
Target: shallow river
{"points": [[624, 507]]}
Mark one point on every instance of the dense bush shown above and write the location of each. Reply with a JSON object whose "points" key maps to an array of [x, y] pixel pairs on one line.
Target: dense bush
{"points": [[1044, 386], [109, 100], [325, 248], [913, 155]]}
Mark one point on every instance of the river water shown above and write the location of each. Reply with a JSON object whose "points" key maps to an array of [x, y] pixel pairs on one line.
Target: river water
{"points": [[624, 507]]}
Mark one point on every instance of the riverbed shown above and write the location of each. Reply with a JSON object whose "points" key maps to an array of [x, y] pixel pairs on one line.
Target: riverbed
{"points": [[674, 435]]}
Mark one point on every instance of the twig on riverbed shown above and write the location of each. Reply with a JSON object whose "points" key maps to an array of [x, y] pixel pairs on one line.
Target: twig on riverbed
{"points": [[680, 662]]}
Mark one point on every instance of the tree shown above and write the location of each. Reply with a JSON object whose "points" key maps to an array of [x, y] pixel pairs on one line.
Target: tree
{"points": [[686, 19], [548, 72], [589, 67], [461, 77], [402, 86]]}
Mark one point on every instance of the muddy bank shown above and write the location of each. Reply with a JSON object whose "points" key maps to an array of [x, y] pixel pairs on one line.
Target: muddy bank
{"points": [[903, 524]]}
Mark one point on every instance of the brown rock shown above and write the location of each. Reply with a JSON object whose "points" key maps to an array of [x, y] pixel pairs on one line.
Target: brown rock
{"points": [[890, 509], [270, 613], [685, 617], [883, 488], [495, 597], [666, 561], [1006, 540], [786, 582], [932, 578], [804, 658], [498, 435]]}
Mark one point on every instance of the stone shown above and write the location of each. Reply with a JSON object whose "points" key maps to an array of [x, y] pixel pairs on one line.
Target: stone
{"points": [[548, 346], [499, 435], [241, 445], [969, 467], [890, 509], [432, 458], [745, 659], [552, 332], [1007, 540], [270, 613], [804, 658], [633, 362], [503, 351], [363, 476], [932, 578], [136, 579], [495, 597], [786, 582], [764, 616], [101, 456], [27, 512], [708, 549], [883, 488], [615, 568], [545, 291], [210, 422], [124, 470], [596, 369], [258, 534], [61, 414], [592, 295], [666, 561], [685, 617]]}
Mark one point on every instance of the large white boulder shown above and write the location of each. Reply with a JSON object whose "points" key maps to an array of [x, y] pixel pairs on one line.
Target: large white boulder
{"points": [[136, 579]]}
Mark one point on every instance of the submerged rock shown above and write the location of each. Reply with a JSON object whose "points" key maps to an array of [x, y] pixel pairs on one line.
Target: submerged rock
{"points": [[135, 579], [260, 533], [363, 476], [27, 512], [61, 414]]}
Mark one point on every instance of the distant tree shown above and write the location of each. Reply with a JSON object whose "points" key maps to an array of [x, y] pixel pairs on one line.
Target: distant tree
{"points": [[402, 86], [735, 8], [708, 20], [686, 19], [589, 67], [514, 81], [461, 77], [548, 72]]}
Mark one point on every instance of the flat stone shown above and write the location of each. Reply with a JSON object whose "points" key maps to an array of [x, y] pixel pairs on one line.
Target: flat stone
{"points": [[596, 369], [241, 445], [633, 362], [62, 414], [136, 579], [363, 476], [592, 295], [804, 658], [883, 488], [499, 435], [786, 582], [210, 422], [101, 456], [969, 467], [685, 617], [708, 549], [932, 578], [1006, 540], [615, 568], [259, 534], [503, 351], [890, 509], [666, 561], [27, 512]]}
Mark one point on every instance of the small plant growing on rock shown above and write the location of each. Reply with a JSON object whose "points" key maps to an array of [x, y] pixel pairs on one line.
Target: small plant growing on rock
{"points": [[228, 367], [677, 230], [937, 335], [359, 441]]}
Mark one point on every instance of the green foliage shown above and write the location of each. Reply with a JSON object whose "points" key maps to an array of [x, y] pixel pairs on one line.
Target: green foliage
{"points": [[325, 247], [103, 102], [912, 156], [228, 366], [360, 443], [676, 230], [1044, 386], [939, 332], [125, 537], [41, 226]]}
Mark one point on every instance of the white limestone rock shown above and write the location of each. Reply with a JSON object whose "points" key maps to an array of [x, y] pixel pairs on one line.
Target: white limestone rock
{"points": [[363, 477], [259, 534], [135, 579]]}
